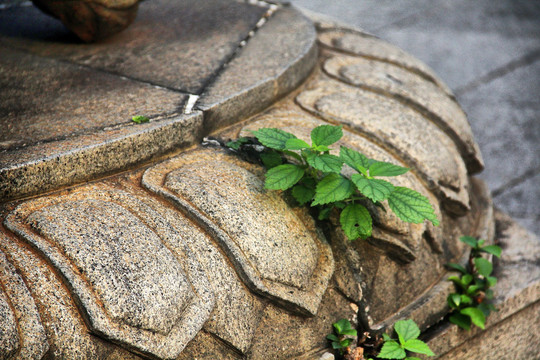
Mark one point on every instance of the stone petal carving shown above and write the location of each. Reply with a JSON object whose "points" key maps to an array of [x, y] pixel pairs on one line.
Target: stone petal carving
{"points": [[370, 47], [414, 91], [110, 249], [21, 331], [9, 338], [276, 251], [401, 130], [396, 237]]}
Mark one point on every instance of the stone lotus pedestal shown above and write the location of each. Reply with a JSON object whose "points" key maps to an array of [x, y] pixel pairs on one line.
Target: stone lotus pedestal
{"points": [[126, 241]]}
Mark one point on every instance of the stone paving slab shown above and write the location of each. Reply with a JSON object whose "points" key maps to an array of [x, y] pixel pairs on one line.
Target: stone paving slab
{"points": [[176, 44], [68, 118], [43, 100]]}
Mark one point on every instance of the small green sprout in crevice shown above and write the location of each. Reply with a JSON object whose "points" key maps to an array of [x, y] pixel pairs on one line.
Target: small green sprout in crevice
{"points": [[343, 335], [407, 332], [139, 119], [313, 177], [368, 347], [471, 303]]}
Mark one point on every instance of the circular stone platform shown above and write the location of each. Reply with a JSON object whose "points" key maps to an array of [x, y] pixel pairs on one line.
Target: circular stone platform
{"points": [[176, 251]]}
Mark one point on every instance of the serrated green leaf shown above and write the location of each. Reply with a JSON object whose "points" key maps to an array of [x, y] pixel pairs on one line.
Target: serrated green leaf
{"points": [[332, 337], [418, 346], [407, 329], [273, 138], [386, 337], [326, 163], [354, 159], [476, 315], [465, 299], [321, 148], [460, 320], [333, 187], [411, 206], [412, 358], [283, 177], [296, 144], [457, 267], [326, 135], [456, 299], [271, 159], [349, 332], [480, 243], [342, 325], [381, 168], [483, 266], [302, 193], [492, 249], [336, 345], [345, 342], [472, 289], [466, 279], [324, 213], [391, 350], [356, 222], [139, 119], [374, 189], [491, 281], [469, 240], [455, 279]]}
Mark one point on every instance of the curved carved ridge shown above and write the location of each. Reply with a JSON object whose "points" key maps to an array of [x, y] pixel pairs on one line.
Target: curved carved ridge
{"points": [[9, 336], [413, 91], [481, 226], [21, 330], [237, 312], [398, 129], [135, 268], [358, 43], [255, 228], [393, 235]]}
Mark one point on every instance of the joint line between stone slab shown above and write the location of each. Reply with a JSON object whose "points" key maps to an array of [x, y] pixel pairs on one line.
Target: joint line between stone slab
{"points": [[262, 21], [499, 72], [515, 181]]}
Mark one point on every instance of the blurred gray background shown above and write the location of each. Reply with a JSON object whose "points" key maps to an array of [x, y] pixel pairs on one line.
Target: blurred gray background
{"points": [[488, 52]]}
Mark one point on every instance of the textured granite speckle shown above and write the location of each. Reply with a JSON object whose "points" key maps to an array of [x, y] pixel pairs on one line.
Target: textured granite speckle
{"points": [[416, 92], [421, 144], [277, 252], [29, 333], [274, 61], [138, 293]]}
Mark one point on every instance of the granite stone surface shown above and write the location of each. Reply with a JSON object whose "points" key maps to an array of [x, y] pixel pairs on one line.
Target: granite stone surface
{"points": [[135, 292], [190, 257], [290, 261], [28, 340], [285, 52], [180, 45], [414, 91], [372, 115]]}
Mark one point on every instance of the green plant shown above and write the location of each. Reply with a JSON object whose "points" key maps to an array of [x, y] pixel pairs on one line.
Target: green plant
{"points": [[341, 338], [139, 119], [407, 332], [313, 176], [470, 304]]}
